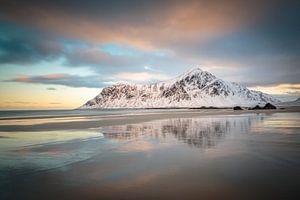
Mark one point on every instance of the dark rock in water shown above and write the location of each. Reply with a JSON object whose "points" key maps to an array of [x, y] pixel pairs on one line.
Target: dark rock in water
{"points": [[211, 107], [237, 108], [257, 107], [269, 106]]}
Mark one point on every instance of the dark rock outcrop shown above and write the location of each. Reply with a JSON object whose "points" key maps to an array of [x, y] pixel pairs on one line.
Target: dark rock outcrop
{"points": [[257, 107], [237, 108], [268, 106]]}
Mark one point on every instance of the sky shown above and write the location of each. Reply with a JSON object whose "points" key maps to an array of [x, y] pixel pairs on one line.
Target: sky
{"points": [[59, 54]]}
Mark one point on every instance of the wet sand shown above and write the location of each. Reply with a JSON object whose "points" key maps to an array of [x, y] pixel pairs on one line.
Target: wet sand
{"points": [[198, 154]]}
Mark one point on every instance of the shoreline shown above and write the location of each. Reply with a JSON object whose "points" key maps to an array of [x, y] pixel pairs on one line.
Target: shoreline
{"points": [[96, 121], [110, 112]]}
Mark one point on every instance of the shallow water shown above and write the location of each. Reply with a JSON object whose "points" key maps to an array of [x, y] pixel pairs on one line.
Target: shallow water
{"points": [[23, 114], [248, 156]]}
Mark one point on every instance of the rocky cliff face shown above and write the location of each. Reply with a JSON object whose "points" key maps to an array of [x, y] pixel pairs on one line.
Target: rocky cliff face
{"points": [[195, 88]]}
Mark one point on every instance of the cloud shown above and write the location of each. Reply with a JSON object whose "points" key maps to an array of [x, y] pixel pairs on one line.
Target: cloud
{"points": [[149, 68], [280, 89], [20, 45], [62, 79], [51, 88], [97, 57], [146, 67], [289, 86], [294, 92], [22, 102], [145, 24], [54, 103], [89, 81]]}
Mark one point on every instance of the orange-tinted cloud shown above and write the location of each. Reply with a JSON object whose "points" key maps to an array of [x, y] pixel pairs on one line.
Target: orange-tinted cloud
{"points": [[280, 89], [146, 25]]}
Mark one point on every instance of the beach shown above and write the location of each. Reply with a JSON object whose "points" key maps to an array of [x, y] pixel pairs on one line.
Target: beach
{"points": [[151, 154]]}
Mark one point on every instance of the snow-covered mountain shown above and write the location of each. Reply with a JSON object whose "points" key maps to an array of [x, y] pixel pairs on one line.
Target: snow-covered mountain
{"points": [[195, 88]]}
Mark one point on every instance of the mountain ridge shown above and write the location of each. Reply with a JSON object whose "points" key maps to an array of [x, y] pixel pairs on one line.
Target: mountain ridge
{"points": [[195, 88], [290, 103]]}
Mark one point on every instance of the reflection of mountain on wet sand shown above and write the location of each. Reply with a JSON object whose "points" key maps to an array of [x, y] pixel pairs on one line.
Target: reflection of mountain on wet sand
{"points": [[196, 132]]}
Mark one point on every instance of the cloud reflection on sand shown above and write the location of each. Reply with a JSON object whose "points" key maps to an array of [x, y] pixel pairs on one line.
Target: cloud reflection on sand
{"points": [[136, 146], [35, 151], [57, 148]]}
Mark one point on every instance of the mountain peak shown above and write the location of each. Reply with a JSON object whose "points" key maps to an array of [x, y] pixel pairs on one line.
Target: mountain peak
{"points": [[197, 73], [194, 70]]}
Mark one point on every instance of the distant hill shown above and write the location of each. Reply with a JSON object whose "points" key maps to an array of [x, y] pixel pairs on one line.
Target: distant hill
{"points": [[290, 103]]}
